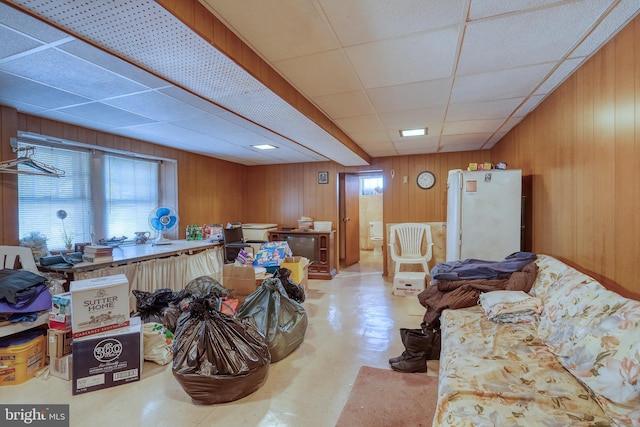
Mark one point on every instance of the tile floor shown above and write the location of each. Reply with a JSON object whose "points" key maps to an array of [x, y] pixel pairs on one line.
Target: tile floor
{"points": [[353, 321]]}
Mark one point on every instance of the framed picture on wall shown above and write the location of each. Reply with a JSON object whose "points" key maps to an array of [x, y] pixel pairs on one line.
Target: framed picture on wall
{"points": [[323, 177]]}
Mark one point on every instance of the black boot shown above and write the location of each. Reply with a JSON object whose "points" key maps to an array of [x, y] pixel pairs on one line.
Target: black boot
{"points": [[403, 338], [434, 332], [418, 347]]}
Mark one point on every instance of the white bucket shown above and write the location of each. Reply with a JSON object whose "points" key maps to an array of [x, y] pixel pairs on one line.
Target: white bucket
{"points": [[322, 225]]}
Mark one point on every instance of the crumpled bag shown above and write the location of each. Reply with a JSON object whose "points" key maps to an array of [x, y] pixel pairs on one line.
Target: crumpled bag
{"points": [[158, 343], [281, 320], [218, 358]]}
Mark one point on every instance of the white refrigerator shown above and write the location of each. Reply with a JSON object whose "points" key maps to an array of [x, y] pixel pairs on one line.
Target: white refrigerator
{"points": [[483, 214]]}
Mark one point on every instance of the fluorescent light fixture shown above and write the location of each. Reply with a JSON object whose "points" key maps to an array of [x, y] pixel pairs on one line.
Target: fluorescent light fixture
{"points": [[413, 132], [264, 147]]}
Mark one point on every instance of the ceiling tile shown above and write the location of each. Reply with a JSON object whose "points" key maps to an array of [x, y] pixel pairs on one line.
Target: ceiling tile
{"points": [[360, 124], [426, 117], [471, 126], [406, 60], [411, 96], [14, 88], [320, 74], [482, 110], [71, 74], [486, 8], [621, 14], [564, 70], [528, 105], [14, 43], [527, 38], [106, 114], [155, 105], [28, 25], [348, 104], [501, 84], [302, 31], [390, 19], [112, 63]]}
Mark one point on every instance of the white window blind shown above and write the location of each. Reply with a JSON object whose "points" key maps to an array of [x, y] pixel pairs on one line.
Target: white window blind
{"points": [[109, 194]]}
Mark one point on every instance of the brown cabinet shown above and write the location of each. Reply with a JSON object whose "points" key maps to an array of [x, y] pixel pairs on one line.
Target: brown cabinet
{"points": [[317, 246]]}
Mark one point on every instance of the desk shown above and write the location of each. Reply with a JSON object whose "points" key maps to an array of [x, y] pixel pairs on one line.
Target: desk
{"points": [[128, 254], [149, 268]]}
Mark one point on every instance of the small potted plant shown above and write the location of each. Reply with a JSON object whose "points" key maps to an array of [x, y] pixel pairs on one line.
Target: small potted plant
{"points": [[68, 239]]}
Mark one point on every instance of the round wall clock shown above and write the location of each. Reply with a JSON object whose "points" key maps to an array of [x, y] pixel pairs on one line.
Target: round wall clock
{"points": [[426, 180]]}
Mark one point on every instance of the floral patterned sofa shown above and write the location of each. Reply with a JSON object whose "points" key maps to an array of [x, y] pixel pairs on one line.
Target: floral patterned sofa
{"points": [[579, 365]]}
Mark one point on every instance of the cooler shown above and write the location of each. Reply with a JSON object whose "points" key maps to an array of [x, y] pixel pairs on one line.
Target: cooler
{"points": [[257, 231]]}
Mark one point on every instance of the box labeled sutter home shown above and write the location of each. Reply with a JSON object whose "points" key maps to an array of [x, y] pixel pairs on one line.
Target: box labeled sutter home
{"points": [[99, 305], [108, 359]]}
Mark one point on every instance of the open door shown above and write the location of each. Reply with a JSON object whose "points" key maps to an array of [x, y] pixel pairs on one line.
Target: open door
{"points": [[349, 211]]}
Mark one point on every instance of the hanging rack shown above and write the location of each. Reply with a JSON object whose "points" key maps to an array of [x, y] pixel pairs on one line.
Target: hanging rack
{"points": [[26, 160]]}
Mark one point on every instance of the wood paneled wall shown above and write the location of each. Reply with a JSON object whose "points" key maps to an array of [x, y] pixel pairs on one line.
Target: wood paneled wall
{"points": [[581, 151]]}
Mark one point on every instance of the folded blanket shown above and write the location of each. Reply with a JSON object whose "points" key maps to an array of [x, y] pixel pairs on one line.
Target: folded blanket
{"points": [[511, 306]]}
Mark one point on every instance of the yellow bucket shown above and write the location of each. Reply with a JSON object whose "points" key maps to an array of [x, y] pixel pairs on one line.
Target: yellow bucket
{"points": [[21, 356]]}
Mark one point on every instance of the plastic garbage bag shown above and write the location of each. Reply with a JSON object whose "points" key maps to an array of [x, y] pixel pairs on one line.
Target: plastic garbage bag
{"points": [[218, 358], [295, 292], [160, 306], [281, 320]]}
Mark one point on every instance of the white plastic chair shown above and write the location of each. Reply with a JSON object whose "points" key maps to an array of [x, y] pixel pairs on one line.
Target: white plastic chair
{"points": [[415, 243], [9, 254]]}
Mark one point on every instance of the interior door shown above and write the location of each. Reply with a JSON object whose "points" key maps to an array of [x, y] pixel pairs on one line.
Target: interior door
{"points": [[349, 219]]}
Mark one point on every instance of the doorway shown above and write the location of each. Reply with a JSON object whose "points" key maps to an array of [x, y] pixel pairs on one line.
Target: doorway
{"points": [[360, 204]]}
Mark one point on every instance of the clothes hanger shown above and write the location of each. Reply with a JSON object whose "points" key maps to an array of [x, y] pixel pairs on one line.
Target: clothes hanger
{"points": [[26, 160]]}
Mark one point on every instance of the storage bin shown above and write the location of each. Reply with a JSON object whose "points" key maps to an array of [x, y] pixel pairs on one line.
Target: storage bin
{"points": [[21, 356], [408, 283], [322, 225]]}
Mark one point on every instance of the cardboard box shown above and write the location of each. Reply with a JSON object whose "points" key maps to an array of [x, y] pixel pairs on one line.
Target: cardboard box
{"points": [[60, 314], [241, 279], [107, 359], [58, 343], [61, 366], [100, 304], [299, 267], [408, 283]]}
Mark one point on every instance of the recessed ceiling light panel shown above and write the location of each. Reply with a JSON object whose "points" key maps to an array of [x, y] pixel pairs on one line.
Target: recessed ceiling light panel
{"points": [[414, 132], [264, 147]]}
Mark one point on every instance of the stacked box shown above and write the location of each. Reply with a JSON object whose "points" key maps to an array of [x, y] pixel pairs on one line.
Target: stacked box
{"points": [[58, 342], [99, 305], [60, 314], [407, 283], [107, 359], [61, 366]]}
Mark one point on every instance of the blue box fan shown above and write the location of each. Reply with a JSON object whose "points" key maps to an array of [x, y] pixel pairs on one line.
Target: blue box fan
{"points": [[163, 219]]}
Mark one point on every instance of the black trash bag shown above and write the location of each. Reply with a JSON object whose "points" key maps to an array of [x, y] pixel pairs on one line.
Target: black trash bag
{"points": [[281, 320], [152, 306], [295, 292], [216, 357], [205, 285]]}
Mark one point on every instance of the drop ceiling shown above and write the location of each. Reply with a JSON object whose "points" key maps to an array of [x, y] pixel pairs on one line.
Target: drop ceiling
{"points": [[468, 70]]}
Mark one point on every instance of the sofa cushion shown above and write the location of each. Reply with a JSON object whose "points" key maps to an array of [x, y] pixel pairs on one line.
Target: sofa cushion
{"points": [[500, 374]]}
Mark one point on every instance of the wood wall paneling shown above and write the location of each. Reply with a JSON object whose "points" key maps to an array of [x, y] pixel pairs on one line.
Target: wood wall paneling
{"points": [[580, 147]]}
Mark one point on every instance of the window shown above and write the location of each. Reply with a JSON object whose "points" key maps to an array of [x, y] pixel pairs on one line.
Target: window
{"points": [[370, 185], [108, 193]]}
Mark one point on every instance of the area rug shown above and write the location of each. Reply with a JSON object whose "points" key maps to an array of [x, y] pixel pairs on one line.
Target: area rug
{"points": [[386, 398]]}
